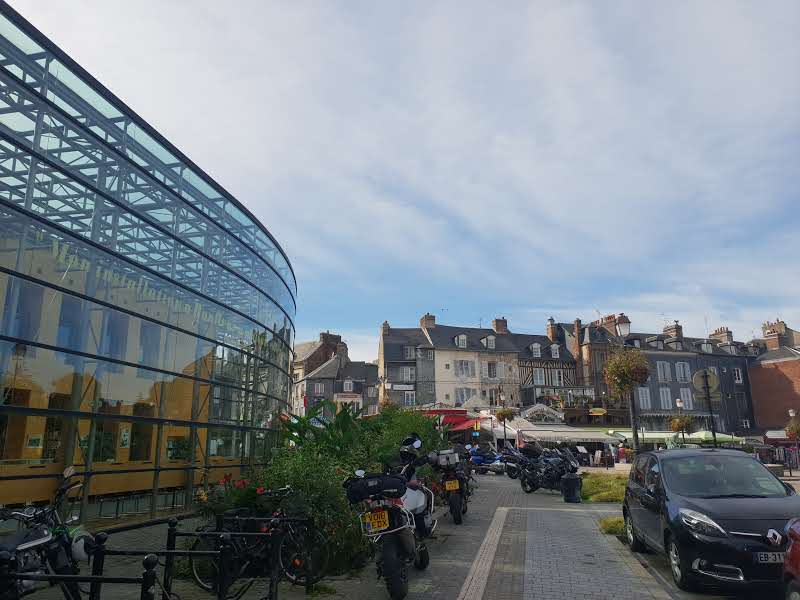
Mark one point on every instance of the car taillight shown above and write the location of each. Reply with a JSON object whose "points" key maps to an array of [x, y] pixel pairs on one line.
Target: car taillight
{"points": [[793, 530]]}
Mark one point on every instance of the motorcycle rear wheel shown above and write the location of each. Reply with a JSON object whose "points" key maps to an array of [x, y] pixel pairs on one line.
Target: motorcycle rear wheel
{"points": [[512, 474], [394, 568], [456, 505], [527, 486]]}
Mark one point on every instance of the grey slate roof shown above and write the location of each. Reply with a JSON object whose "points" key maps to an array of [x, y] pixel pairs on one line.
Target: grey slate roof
{"points": [[339, 367], [411, 336], [779, 353], [304, 349], [443, 338]]}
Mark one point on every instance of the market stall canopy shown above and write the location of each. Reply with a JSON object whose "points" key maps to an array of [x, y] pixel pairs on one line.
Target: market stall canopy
{"points": [[775, 434], [706, 436], [565, 433], [649, 437]]}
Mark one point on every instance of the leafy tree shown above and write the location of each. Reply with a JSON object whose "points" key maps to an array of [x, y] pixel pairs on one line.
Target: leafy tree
{"points": [[626, 369], [793, 429], [683, 423]]}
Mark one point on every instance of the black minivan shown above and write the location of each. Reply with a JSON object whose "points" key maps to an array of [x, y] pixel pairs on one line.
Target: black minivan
{"points": [[718, 515]]}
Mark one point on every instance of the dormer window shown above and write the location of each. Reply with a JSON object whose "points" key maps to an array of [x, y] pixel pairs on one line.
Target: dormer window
{"points": [[461, 341], [678, 345], [348, 385], [706, 347], [536, 350], [554, 351], [660, 345], [637, 343], [488, 342]]}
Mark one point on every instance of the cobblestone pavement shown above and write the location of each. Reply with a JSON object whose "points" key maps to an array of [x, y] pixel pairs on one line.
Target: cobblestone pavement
{"points": [[511, 546]]}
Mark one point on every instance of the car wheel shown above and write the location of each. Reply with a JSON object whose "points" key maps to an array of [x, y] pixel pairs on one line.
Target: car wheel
{"points": [[678, 566], [630, 534], [793, 590]]}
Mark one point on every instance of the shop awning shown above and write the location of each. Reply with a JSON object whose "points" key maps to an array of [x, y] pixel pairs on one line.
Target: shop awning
{"points": [[468, 424], [706, 436], [565, 433]]}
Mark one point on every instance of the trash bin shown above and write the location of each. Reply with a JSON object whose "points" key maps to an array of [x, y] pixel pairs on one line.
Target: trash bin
{"points": [[571, 484]]}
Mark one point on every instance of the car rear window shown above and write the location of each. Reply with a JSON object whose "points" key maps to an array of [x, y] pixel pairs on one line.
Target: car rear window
{"points": [[720, 476]]}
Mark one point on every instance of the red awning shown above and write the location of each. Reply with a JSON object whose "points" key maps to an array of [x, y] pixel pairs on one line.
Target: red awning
{"points": [[453, 419], [468, 424]]}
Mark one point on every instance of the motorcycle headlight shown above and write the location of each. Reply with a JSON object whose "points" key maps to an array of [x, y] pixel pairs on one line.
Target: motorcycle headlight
{"points": [[699, 523]]}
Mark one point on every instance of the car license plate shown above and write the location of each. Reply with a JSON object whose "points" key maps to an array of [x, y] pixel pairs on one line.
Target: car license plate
{"points": [[377, 520], [769, 557], [451, 485]]}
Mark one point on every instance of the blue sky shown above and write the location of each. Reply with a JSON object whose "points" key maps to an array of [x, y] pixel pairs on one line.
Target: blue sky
{"points": [[473, 160]]}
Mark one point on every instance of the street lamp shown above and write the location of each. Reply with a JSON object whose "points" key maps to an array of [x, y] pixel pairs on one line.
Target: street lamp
{"points": [[679, 404], [623, 326], [503, 402], [792, 414]]}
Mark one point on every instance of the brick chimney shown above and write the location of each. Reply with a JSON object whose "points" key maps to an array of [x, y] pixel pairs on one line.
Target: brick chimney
{"points": [[341, 349], [428, 321], [777, 334], [674, 331], [552, 330], [385, 328], [500, 326], [329, 338], [723, 335]]}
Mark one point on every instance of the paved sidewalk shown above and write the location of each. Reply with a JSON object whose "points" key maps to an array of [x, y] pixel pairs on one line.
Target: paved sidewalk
{"points": [[512, 546]]}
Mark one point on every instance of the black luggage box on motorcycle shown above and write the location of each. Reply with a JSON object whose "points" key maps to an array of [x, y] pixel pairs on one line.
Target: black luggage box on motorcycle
{"points": [[388, 486]]}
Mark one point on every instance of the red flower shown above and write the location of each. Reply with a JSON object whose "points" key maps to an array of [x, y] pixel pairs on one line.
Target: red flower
{"points": [[222, 482], [240, 484], [228, 477], [260, 490]]}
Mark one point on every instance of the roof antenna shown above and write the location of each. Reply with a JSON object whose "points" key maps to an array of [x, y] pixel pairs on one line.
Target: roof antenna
{"points": [[705, 321]]}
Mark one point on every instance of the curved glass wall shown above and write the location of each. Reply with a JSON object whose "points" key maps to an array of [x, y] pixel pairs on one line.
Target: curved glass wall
{"points": [[147, 317]]}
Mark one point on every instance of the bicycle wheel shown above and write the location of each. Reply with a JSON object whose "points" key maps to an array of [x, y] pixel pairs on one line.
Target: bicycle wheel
{"points": [[205, 569], [293, 554]]}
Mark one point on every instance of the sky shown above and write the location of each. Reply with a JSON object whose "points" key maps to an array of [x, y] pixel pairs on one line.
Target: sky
{"points": [[477, 159]]}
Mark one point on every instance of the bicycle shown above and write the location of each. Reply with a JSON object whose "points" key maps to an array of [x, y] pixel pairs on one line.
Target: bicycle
{"points": [[274, 546]]}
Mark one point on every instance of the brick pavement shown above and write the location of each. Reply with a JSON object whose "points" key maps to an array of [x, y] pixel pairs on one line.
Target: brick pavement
{"points": [[546, 549]]}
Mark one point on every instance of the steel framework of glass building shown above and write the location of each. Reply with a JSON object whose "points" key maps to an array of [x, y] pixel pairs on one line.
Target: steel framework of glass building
{"points": [[147, 316]]}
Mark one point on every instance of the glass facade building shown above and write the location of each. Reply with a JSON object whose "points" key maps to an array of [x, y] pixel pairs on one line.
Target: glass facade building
{"points": [[147, 316]]}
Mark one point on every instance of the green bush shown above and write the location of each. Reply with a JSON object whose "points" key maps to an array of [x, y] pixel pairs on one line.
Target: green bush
{"points": [[320, 455], [612, 525]]}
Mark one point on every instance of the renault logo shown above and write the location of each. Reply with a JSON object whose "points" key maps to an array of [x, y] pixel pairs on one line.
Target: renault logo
{"points": [[774, 538]]}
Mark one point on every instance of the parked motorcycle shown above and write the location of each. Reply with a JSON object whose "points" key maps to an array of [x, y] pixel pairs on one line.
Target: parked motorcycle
{"points": [[486, 460], [46, 545], [398, 519], [455, 482], [514, 461], [547, 469]]}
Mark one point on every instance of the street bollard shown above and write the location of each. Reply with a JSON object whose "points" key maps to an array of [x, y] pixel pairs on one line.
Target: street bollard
{"points": [[169, 560], [98, 563], [149, 577], [225, 559]]}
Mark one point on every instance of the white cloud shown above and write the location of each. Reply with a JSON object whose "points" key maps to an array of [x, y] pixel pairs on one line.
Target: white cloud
{"points": [[480, 152]]}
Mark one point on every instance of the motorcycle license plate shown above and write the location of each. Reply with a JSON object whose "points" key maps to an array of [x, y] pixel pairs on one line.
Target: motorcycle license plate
{"points": [[376, 520], [451, 485], [770, 557]]}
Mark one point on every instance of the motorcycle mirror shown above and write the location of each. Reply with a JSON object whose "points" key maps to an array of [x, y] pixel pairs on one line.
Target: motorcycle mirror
{"points": [[468, 446], [69, 472], [360, 472], [417, 444], [29, 511]]}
